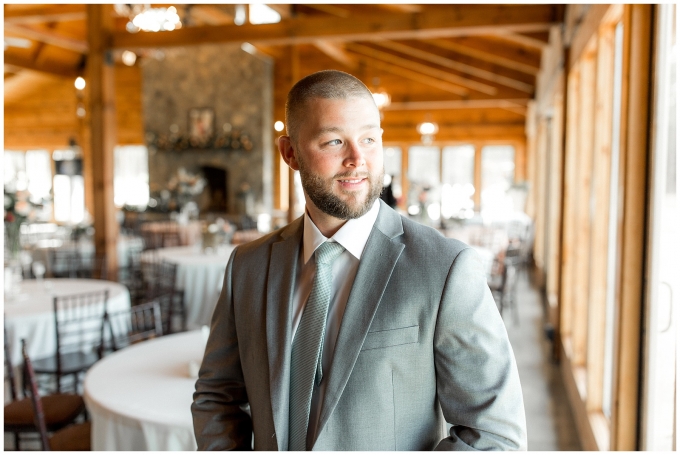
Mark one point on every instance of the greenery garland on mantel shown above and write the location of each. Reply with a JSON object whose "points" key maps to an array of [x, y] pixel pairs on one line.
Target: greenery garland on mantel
{"points": [[234, 141]]}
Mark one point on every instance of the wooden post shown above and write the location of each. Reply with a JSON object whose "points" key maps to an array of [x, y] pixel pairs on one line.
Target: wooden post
{"points": [[295, 76], [404, 175], [635, 122], [477, 179], [100, 78]]}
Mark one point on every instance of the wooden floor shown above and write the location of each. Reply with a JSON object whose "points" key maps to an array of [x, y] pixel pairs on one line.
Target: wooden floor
{"points": [[550, 423]]}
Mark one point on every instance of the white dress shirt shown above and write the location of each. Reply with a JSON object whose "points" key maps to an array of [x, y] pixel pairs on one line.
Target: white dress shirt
{"points": [[353, 236]]}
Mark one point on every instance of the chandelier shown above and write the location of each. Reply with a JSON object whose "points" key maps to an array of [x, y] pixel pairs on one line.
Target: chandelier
{"points": [[145, 18]]}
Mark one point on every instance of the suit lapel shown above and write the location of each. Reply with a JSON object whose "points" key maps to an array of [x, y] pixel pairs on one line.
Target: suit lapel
{"points": [[377, 262], [280, 282]]}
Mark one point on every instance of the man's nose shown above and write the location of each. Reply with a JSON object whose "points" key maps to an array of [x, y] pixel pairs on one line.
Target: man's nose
{"points": [[355, 155]]}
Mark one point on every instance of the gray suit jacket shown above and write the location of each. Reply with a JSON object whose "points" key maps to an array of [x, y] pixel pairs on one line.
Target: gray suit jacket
{"points": [[421, 344]]}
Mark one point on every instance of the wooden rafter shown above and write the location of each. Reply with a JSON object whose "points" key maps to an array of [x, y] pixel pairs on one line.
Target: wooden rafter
{"points": [[462, 67], [425, 69], [330, 9], [511, 63], [416, 76], [458, 104], [211, 15], [402, 8], [49, 68], [337, 53], [38, 14], [522, 40], [48, 36], [456, 20]]}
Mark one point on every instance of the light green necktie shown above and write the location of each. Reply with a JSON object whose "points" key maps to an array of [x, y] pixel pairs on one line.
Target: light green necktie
{"points": [[305, 368]]}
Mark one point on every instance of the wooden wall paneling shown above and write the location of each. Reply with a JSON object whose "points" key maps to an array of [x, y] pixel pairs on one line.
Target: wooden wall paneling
{"points": [[102, 109], [582, 213], [601, 165], [637, 36], [569, 211]]}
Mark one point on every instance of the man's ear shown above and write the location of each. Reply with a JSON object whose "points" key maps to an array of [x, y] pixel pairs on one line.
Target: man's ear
{"points": [[287, 152]]}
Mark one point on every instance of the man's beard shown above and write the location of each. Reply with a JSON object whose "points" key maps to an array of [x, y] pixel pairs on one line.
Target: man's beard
{"points": [[320, 191]]}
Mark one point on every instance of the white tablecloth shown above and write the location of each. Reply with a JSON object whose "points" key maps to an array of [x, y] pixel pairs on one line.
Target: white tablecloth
{"points": [[30, 314], [200, 275], [139, 398]]}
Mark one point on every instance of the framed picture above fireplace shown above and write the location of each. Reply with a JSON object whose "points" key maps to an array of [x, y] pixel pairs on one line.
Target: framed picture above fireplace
{"points": [[201, 123]]}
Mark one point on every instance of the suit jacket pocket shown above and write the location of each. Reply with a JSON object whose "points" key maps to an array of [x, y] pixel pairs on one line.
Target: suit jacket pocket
{"points": [[391, 337]]}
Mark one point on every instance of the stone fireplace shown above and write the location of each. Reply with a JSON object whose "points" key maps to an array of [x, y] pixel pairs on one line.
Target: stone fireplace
{"points": [[237, 88]]}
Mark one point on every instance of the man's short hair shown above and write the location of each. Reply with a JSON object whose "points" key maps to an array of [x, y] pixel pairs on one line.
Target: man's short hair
{"points": [[326, 84]]}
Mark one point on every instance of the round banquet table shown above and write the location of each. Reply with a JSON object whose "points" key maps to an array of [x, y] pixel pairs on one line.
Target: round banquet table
{"points": [[139, 398], [200, 275], [189, 233], [29, 314]]}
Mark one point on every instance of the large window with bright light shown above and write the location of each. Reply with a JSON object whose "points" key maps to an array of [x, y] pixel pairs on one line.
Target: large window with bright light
{"points": [[498, 173], [131, 176], [458, 181]]}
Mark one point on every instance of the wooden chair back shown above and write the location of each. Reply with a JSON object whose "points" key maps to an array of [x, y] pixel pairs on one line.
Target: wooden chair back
{"points": [[138, 323], [38, 413]]}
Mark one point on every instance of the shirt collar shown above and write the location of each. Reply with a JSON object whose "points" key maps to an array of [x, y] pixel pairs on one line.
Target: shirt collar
{"points": [[353, 235]]}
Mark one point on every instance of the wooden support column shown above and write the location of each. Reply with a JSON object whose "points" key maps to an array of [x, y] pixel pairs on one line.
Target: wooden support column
{"points": [[635, 102], [404, 176], [295, 76], [102, 109], [477, 197]]}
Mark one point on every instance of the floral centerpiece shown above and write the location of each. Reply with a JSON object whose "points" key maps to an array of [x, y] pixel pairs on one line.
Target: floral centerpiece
{"points": [[18, 210], [183, 187]]}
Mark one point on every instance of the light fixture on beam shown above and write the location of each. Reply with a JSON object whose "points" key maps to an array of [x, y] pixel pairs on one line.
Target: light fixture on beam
{"points": [[380, 96], [427, 130]]}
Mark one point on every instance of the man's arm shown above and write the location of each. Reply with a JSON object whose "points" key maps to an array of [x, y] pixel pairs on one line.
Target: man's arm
{"points": [[219, 422], [477, 379]]}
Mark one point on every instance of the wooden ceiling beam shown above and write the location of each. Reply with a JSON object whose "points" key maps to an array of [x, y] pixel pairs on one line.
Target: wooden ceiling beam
{"points": [[49, 68], [458, 104], [455, 20], [462, 67], [395, 133], [425, 69], [337, 53], [55, 13], [511, 63], [48, 37], [522, 40], [330, 9], [210, 14], [401, 8], [415, 76], [285, 11]]}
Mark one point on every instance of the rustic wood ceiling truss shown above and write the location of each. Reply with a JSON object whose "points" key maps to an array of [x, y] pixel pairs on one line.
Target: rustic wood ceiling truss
{"points": [[471, 68]]}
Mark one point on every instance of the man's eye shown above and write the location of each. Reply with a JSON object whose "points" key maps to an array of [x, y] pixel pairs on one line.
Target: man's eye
{"points": [[369, 140], [334, 142]]}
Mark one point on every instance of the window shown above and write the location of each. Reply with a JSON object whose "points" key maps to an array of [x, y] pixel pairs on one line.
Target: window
{"points": [[498, 173], [458, 181], [424, 178], [131, 176]]}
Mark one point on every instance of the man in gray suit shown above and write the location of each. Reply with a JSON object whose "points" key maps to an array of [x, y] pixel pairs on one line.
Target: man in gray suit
{"points": [[354, 328]]}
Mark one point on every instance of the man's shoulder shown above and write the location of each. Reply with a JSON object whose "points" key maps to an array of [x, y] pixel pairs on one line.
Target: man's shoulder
{"points": [[420, 234], [263, 244]]}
